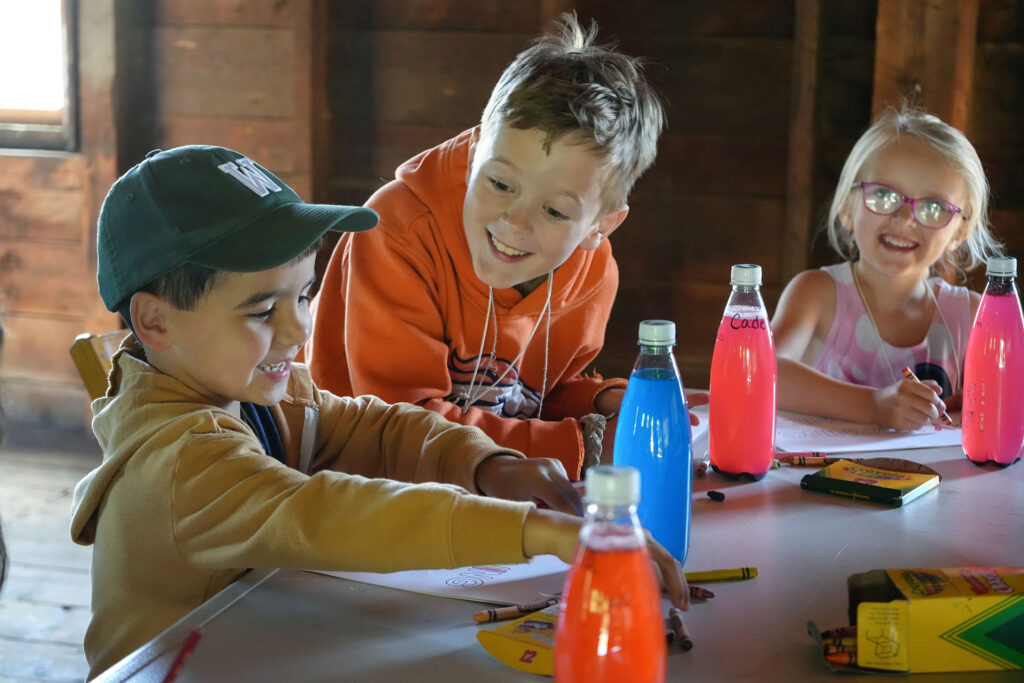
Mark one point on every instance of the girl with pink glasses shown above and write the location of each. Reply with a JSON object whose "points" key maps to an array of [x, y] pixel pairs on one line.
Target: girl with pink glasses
{"points": [[910, 210]]}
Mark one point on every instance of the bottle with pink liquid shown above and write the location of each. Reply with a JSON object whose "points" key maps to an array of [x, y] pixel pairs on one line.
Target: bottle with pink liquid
{"points": [[741, 418], [993, 410]]}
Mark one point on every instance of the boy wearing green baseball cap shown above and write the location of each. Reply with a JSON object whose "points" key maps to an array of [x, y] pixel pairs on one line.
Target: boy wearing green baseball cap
{"points": [[220, 454]]}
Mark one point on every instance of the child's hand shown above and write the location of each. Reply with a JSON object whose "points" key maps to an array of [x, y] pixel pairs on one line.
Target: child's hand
{"points": [[670, 573], [908, 404], [541, 480], [548, 532], [694, 399]]}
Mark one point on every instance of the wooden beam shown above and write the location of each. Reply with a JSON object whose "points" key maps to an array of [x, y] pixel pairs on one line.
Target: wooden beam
{"points": [[800, 163], [924, 54]]}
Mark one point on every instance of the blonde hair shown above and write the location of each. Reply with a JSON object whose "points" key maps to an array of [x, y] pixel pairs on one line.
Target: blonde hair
{"points": [[979, 243], [566, 83]]}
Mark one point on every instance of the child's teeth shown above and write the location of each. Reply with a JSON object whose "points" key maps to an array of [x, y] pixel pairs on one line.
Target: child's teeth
{"points": [[505, 249], [276, 367]]}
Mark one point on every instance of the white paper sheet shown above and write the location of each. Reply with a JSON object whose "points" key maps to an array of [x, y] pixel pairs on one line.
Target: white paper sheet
{"points": [[794, 432], [508, 584]]}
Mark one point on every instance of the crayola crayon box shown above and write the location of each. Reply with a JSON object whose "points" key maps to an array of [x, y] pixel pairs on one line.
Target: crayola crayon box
{"points": [[927, 620]]}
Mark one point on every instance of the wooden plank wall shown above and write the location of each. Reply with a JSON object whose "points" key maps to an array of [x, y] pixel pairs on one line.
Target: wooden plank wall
{"points": [[716, 195], [47, 253], [333, 95]]}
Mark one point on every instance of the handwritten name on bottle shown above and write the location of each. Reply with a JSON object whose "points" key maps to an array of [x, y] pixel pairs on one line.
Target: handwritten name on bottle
{"points": [[738, 322]]}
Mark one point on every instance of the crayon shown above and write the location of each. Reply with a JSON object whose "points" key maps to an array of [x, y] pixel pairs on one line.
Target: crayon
{"points": [[841, 632], [813, 461], [700, 467], [909, 374], [833, 649], [179, 661], [682, 636], [722, 575], [842, 658], [849, 640], [512, 611], [716, 495], [785, 456], [700, 593]]}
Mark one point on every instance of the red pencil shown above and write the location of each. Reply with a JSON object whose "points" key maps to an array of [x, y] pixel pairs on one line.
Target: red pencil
{"points": [[183, 653]]}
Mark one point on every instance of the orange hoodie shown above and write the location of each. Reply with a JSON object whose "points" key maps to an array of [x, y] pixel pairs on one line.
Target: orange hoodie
{"points": [[401, 313]]}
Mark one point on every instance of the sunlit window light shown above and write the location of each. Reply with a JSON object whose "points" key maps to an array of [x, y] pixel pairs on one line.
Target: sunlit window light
{"points": [[32, 54]]}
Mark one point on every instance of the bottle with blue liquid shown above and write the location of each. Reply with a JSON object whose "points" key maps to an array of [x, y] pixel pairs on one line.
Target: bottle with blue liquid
{"points": [[653, 435]]}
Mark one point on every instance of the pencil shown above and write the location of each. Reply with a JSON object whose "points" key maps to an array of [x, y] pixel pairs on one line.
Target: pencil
{"points": [[721, 575], [511, 612], [179, 661], [909, 374]]}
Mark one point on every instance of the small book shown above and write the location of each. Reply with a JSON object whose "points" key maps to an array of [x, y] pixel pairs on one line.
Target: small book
{"points": [[875, 484]]}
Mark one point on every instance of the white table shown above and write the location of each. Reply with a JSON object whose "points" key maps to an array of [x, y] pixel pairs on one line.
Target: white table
{"points": [[291, 625]]}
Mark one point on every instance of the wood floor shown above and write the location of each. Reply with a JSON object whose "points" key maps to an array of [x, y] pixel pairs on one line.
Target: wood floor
{"points": [[44, 604]]}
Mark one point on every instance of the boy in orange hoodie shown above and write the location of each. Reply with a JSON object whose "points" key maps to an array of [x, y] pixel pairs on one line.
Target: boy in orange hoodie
{"points": [[486, 289]]}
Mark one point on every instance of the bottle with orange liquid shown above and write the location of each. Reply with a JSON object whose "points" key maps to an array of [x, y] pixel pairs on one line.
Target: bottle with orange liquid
{"points": [[741, 416], [610, 626], [993, 407]]}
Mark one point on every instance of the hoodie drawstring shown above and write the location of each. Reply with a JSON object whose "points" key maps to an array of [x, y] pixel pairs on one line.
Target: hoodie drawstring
{"points": [[477, 389]]}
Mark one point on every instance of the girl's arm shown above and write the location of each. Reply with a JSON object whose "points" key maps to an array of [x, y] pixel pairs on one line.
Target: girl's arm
{"points": [[805, 312]]}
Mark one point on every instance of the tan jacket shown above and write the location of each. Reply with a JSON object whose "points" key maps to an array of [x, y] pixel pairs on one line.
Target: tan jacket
{"points": [[186, 500]]}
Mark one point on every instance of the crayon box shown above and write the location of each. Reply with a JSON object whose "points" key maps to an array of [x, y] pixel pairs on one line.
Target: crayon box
{"points": [[921, 620], [527, 643]]}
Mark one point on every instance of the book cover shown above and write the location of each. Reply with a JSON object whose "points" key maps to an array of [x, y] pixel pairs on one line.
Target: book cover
{"points": [[872, 483]]}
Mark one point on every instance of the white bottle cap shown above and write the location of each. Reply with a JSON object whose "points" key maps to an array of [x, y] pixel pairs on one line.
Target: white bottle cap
{"points": [[657, 333], [612, 485], [1002, 266], [746, 274]]}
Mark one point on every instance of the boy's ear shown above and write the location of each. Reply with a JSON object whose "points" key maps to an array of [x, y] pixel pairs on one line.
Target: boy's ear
{"points": [[147, 311], [604, 227]]}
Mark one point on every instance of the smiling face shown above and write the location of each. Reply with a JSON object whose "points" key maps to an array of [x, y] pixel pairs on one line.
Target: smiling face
{"points": [[897, 245], [239, 342], [528, 208]]}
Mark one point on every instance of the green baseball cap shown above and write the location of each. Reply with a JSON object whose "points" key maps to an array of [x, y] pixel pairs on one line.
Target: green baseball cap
{"points": [[209, 206]]}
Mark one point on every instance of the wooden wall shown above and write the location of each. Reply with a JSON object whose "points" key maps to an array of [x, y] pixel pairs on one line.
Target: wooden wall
{"points": [[47, 252], [764, 101]]}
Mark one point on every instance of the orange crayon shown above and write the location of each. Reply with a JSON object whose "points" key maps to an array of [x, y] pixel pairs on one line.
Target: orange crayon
{"points": [[843, 658], [909, 374]]}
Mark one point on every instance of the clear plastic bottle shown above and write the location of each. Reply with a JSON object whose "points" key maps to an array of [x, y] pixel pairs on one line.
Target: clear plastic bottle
{"points": [[741, 415], [993, 406], [653, 435], [610, 624]]}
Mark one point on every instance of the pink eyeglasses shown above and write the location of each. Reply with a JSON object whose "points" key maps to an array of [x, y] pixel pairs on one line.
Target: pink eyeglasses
{"points": [[928, 211]]}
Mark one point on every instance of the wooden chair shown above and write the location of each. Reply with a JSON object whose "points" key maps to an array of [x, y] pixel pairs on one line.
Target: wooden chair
{"points": [[92, 354]]}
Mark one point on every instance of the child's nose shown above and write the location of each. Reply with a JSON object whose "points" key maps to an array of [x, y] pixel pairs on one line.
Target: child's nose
{"points": [[294, 330], [515, 216]]}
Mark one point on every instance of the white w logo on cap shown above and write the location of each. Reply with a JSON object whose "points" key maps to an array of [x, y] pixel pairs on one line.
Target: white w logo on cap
{"points": [[245, 172]]}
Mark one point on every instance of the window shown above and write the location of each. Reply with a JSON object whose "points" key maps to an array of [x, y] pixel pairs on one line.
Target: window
{"points": [[36, 85]]}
